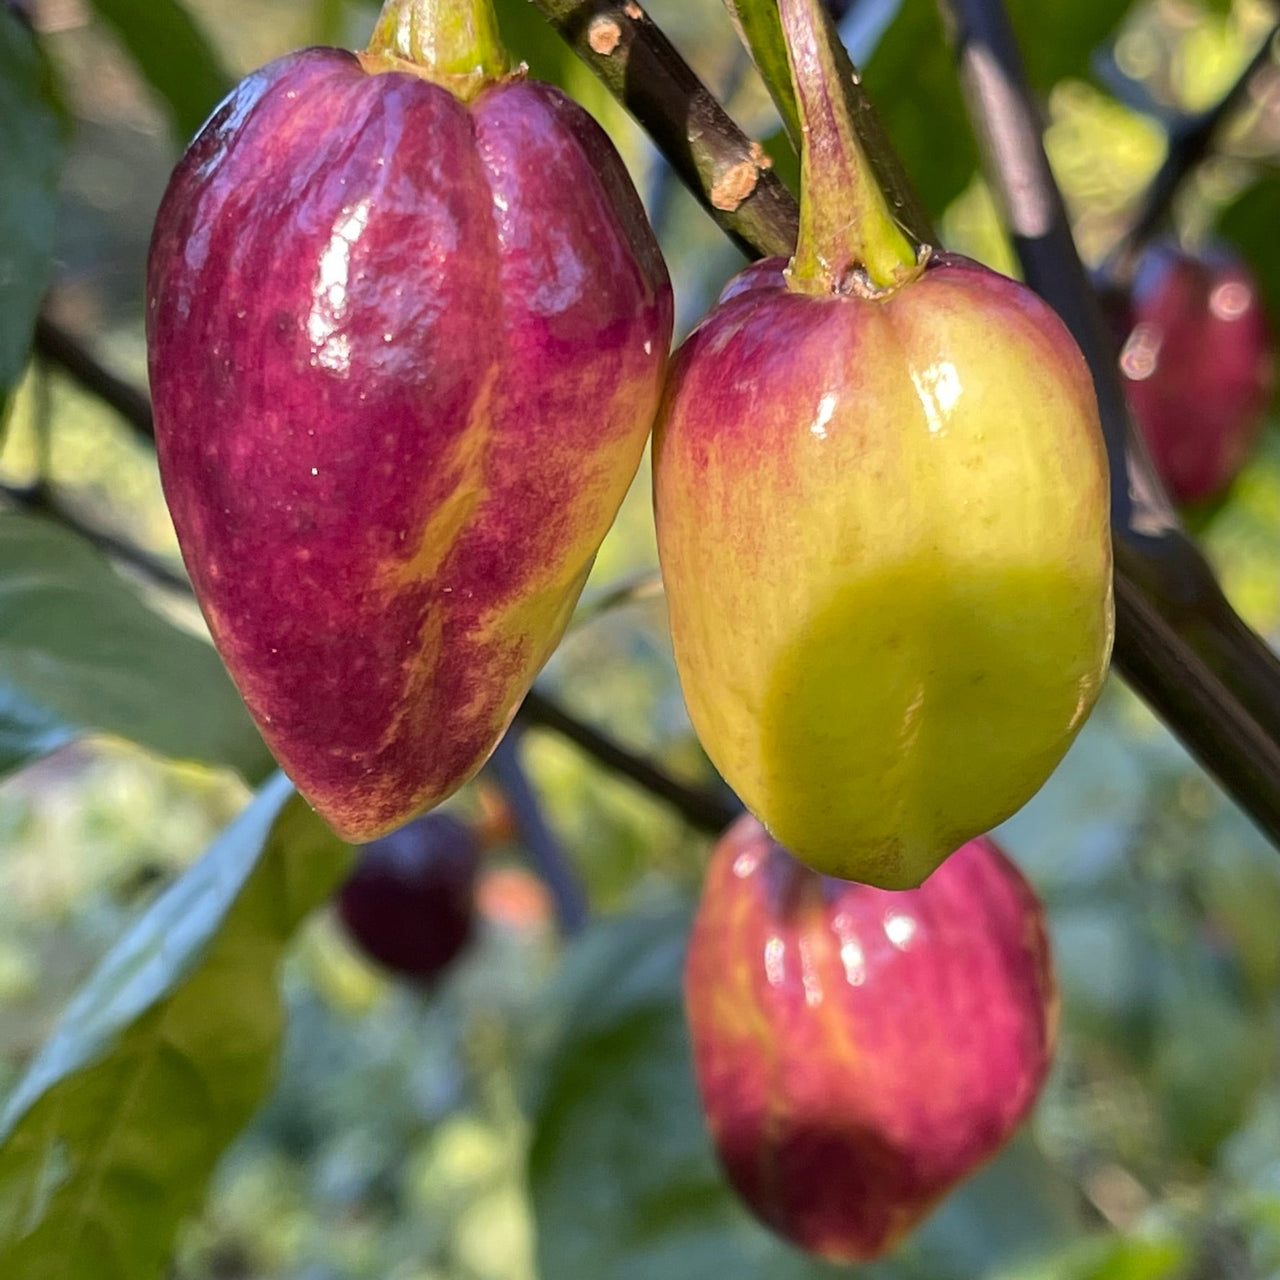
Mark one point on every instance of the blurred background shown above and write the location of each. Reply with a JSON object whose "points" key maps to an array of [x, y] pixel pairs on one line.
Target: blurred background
{"points": [[397, 1142]]}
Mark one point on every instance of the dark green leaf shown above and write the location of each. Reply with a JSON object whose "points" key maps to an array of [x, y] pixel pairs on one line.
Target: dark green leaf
{"points": [[173, 55], [1108, 1258], [786, 160], [1250, 224], [1058, 37], [79, 651], [329, 21], [532, 39], [1206, 1096], [911, 79], [623, 1178], [159, 1061], [31, 152]]}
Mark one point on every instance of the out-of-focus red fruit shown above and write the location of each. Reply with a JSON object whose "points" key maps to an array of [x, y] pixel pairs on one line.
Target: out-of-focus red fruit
{"points": [[410, 904], [514, 898], [1199, 366], [860, 1051]]}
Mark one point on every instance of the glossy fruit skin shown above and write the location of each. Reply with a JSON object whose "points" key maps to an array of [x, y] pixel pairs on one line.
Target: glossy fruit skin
{"points": [[410, 903], [859, 1051], [884, 538], [405, 353], [1199, 366]]}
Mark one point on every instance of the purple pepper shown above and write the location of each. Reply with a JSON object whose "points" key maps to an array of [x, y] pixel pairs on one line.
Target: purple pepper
{"points": [[405, 352]]}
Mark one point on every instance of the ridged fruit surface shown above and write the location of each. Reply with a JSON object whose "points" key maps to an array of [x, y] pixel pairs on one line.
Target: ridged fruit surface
{"points": [[405, 353], [859, 1051], [410, 903], [1199, 366], [883, 532]]}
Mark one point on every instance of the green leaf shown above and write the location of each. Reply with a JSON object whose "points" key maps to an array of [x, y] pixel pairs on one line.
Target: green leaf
{"points": [[1162, 1257], [1250, 224], [911, 78], [622, 1174], [162, 1057], [31, 153], [328, 21], [174, 56], [80, 651], [1205, 1098]]}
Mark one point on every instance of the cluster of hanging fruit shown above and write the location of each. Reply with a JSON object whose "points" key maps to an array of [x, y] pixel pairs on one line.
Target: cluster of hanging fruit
{"points": [[409, 331]]}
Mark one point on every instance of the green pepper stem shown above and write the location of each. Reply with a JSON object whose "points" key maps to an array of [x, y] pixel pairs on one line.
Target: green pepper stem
{"points": [[849, 240], [454, 43]]}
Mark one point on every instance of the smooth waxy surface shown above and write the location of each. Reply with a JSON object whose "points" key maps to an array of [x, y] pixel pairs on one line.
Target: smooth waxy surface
{"points": [[410, 903], [405, 353], [883, 531], [1199, 364], [858, 1051]]}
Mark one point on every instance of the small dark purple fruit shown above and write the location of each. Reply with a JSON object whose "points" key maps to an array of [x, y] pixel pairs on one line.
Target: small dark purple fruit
{"points": [[410, 904]]}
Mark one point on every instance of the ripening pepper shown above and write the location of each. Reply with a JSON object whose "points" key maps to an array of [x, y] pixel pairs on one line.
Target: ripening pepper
{"points": [[407, 327], [881, 497], [860, 1051]]}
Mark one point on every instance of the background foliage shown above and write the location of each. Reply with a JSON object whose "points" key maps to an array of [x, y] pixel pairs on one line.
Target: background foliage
{"points": [[535, 1116]]}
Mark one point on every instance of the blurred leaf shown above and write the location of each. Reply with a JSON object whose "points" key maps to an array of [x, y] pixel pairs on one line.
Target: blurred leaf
{"points": [[80, 651], [31, 152], [110, 1137], [1252, 1157], [1205, 1096], [174, 56], [329, 21], [1075, 832], [625, 1183], [911, 78], [1250, 224], [1162, 1258], [532, 39], [1107, 966]]}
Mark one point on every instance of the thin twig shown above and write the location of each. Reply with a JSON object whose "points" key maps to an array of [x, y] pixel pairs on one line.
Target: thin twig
{"points": [[719, 164], [646, 585], [702, 809], [548, 854], [41, 499], [61, 347]]}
